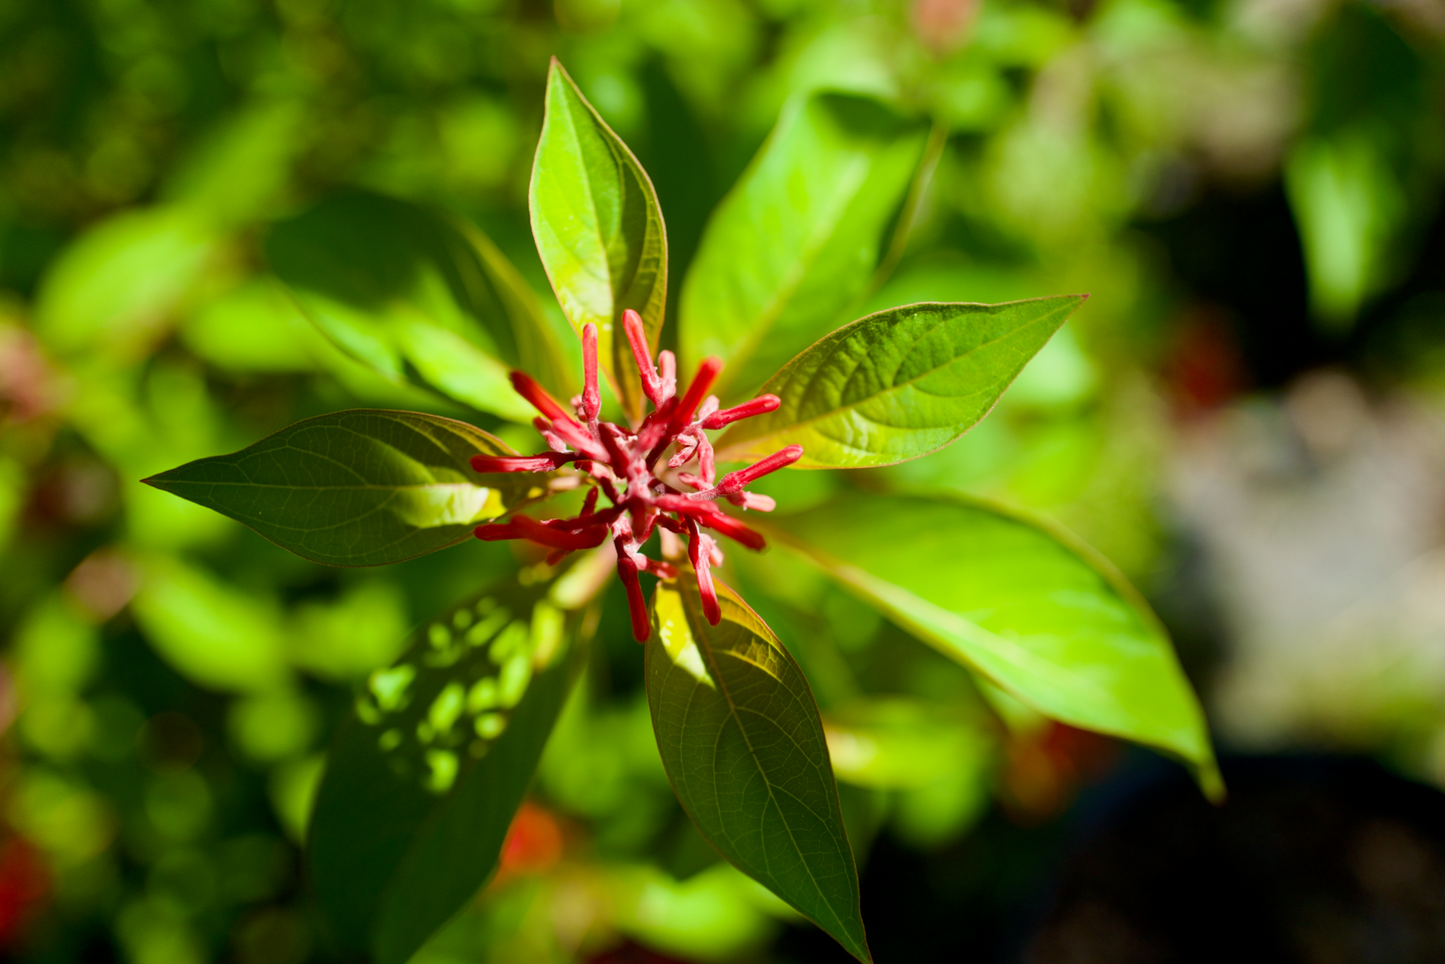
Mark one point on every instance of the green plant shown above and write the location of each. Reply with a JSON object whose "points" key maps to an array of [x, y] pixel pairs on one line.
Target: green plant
{"points": [[423, 782]]}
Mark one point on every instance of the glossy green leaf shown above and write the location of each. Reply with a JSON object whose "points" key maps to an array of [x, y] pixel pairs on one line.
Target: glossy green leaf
{"points": [[898, 384], [1037, 614], [423, 780], [797, 240], [744, 748], [598, 229], [358, 488], [417, 295]]}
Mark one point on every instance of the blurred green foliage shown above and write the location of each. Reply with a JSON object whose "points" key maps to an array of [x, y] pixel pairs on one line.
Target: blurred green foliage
{"points": [[172, 678]]}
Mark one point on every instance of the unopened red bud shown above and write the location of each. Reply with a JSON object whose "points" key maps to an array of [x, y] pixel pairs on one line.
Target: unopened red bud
{"points": [[757, 406], [699, 552], [734, 530], [636, 605], [556, 538], [591, 396], [496, 532], [734, 481], [528, 388], [521, 463], [707, 373], [642, 354]]}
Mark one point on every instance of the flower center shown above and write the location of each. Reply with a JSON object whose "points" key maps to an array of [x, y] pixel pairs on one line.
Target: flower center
{"points": [[622, 464]]}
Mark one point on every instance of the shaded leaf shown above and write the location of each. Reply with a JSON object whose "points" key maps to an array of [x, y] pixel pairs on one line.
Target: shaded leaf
{"points": [[744, 748], [797, 240], [417, 295], [358, 488], [1037, 614], [598, 229], [423, 780], [898, 384]]}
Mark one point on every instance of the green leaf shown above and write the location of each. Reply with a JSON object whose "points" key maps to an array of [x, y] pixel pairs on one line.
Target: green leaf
{"points": [[209, 631], [423, 780], [1033, 611], [417, 295], [114, 292], [744, 748], [898, 743], [898, 384], [797, 240], [359, 488], [598, 229]]}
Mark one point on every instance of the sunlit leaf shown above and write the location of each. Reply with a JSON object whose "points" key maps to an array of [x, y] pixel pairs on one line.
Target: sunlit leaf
{"points": [[744, 748], [358, 488], [254, 327], [1042, 617], [598, 229], [798, 239], [898, 743], [240, 170], [423, 780], [417, 295], [898, 384], [115, 290]]}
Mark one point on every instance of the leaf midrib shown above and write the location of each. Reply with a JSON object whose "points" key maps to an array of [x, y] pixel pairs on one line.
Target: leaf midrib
{"points": [[706, 647]]}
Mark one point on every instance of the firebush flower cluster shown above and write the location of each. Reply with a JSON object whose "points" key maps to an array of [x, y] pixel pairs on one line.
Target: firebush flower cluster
{"points": [[622, 464]]}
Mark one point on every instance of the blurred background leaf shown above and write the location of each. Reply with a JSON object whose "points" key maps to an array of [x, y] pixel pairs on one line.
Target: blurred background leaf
{"points": [[1244, 418]]}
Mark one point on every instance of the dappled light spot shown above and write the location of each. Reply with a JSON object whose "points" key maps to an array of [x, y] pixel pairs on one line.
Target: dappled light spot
{"points": [[483, 695], [446, 707], [443, 764], [390, 685], [489, 726]]}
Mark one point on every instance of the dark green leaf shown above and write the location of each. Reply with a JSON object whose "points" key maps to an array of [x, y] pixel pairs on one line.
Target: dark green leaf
{"points": [[417, 295], [423, 780], [744, 748], [1036, 613], [358, 488], [598, 229], [797, 240], [898, 384]]}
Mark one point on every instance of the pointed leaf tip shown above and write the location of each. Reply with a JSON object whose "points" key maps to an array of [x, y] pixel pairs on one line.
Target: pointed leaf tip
{"points": [[743, 745]]}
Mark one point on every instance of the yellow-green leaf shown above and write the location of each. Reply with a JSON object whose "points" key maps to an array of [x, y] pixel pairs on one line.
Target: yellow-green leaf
{"points": [[599, 230]]}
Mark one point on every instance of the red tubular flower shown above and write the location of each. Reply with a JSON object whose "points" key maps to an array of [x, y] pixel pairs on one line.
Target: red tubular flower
{"points": [[699, 552], [757, 406], [636, 605], [545, 462], [528, 388], [621, 464], [707, 373], [642, 354], [591, 397], [733, 482]]}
